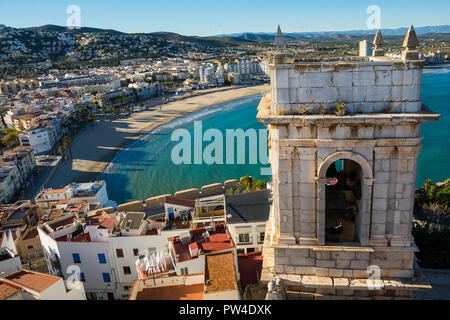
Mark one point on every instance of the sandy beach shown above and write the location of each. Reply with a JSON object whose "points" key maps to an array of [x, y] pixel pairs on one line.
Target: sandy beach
{"points": [[94, 149]]}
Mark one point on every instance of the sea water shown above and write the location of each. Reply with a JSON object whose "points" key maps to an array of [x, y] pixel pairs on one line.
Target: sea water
{"points": [[146, 169]]}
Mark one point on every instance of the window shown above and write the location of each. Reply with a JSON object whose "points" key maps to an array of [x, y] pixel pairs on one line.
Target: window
{"points": [[119, 253], [240, 251], [261, 237], [244, 238], [101, 258], [250, 250], [126, 270], [91, 295], [30, 246], [184, 271], [106, 277], [82, 278], [76, 258], [135, 252]]}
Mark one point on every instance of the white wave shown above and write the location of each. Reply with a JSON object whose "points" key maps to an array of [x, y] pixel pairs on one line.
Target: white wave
{"points": [[191, 117]]}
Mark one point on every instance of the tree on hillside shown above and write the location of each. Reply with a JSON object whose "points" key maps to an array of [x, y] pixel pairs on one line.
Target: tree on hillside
{"points": [[10, 136]]}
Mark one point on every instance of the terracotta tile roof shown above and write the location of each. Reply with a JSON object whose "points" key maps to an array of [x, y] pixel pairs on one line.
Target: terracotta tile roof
{"points": [[218, 240], [192, 292], [250, 268], [7, 289], [180, 202], [32, 280], [220, 271], [101, 218], [53, 191], [55, 213], [31, 233]]}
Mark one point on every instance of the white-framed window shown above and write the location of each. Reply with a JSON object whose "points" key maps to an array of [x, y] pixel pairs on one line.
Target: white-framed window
{"points": [[184, 271], [244, 238], [261, 237]]}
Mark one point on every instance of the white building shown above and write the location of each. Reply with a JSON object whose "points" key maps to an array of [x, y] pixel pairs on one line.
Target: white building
{"points": [[246, 216], [245, 67], [32, 285], [91, 192], [9, 259], [106, 248], [9, 179], [365, 49], [41, 139], [207, 75]]}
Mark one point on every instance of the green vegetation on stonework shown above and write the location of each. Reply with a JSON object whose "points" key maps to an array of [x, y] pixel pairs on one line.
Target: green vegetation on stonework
{"points": [[431, 228]]}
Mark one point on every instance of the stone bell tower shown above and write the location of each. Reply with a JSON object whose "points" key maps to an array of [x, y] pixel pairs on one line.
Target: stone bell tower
{"points": [[343, 145]]}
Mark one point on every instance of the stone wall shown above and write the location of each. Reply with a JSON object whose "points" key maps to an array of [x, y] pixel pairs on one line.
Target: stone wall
{"points": [[158, 201], [367, 86], [347, 262]]}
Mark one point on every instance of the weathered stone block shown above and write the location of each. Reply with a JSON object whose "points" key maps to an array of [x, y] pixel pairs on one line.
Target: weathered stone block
{"points": [[324, 95], [364, 79], [316, 80], [325, 263]]}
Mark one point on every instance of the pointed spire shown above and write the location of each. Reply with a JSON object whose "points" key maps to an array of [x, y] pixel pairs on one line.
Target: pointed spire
{"points": [[378, 50], [411, 41], [279, 38], [280, 43], [378, 40], [410, 45]]}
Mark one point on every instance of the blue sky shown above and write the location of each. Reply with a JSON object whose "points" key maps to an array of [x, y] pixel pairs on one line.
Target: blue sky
{"points": [[200, 17]]}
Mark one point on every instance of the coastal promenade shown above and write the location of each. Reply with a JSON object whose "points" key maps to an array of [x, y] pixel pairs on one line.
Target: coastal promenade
{"points": [[94, 149]]}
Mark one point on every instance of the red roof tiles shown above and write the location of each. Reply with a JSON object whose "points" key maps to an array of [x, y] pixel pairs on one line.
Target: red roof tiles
{"points": [[32, 280], [180, 202], [7, 289]]}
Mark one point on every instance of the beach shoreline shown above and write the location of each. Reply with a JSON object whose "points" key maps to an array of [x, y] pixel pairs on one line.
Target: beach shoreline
{"points": [[96, 148]]}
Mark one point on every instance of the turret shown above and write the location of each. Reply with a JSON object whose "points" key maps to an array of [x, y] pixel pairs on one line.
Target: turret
{"points": [[280, 44], [378, 50], [410, 45]]}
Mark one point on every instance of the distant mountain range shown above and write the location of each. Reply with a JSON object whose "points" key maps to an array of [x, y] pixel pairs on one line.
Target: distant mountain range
{"points": [[86, 44], [269, 36]]}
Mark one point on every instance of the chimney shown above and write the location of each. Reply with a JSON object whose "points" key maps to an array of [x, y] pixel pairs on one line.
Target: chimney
{"points": [[193, 249]]}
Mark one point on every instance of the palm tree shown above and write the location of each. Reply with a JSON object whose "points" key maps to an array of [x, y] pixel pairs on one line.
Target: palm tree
{"points": [[67, 144], [62, 152], [248, 184]]}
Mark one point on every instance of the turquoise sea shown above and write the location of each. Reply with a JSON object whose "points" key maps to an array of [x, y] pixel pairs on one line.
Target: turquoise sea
{"points": [[145, 168]]}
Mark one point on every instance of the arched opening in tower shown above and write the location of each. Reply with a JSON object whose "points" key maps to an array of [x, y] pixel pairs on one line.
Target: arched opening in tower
{"points": [[343, 202]]}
